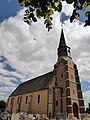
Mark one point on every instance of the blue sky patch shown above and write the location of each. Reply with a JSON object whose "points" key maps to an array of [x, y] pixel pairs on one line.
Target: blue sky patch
{"points": [[2, 59], [8, 8], [16, 82], [64, 17], [9, 67], [85, 86], [6, 66]]}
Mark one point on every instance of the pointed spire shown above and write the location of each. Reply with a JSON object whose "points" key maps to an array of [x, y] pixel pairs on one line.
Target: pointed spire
{"points": [[62, 39], [63, 49]]}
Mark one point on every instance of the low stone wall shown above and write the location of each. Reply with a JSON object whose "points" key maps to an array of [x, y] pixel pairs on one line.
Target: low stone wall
{"points": [[17, 116], [86, 118], [24, 116]]}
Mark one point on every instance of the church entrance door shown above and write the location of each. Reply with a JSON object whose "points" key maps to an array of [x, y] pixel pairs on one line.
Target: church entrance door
{"points": [[75, 110]]}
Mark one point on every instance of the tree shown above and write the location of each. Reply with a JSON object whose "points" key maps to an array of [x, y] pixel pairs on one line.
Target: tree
{"points": [[45, 8], [2, 105], [87, 110]]}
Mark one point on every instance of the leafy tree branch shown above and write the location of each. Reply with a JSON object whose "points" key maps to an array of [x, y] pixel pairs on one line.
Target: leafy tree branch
{"points": [[2, 105], [45, 9]]}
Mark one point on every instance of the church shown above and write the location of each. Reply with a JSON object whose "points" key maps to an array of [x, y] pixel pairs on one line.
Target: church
{"points": [[55, 93]]}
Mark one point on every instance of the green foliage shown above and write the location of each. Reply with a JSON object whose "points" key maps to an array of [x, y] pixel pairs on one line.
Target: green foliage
{"points": [[2, 105], [87, 110], [87, 22], [45, 9], [40, 8], [82, 5], [69, 1]]}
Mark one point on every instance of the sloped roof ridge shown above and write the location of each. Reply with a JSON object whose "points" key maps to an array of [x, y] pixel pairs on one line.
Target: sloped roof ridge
{"points": [[35, 84], [35, 78]]}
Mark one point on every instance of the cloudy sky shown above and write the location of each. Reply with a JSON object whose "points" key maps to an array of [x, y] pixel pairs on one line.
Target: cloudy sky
{"points": [[29, 51]]}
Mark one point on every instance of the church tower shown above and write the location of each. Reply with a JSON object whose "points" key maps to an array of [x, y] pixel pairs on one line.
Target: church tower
{"points": [[67, 94]]}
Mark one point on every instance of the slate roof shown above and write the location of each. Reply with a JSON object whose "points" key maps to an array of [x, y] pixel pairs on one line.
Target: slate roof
{"points": [[38, 83]]}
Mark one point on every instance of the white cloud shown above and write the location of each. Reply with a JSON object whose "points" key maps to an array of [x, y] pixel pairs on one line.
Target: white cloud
{"points": [[33, 51], [26, 49], [67, 8], [86, 96], [79, 39]]}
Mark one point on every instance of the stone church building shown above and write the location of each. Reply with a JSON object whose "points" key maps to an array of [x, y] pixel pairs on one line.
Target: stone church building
{"points": [[56, 92]]}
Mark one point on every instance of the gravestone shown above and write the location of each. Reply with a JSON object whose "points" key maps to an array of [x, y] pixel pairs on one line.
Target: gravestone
{"points": [[74, 118]]}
